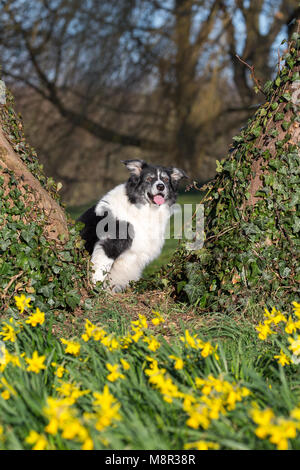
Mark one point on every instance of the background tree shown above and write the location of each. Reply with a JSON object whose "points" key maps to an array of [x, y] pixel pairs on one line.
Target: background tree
{"points": [[258, 45], [101, 81]]}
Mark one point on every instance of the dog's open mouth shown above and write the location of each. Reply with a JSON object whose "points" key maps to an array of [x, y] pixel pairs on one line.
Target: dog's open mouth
{"points": [[157, 199]]}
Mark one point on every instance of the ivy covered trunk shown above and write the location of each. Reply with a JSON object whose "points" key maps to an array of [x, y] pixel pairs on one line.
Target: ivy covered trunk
{"points": [[252, 223], [39, 251]]}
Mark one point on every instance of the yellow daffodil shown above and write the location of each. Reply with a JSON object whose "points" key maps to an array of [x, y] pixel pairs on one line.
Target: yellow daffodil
{"points": [[72, 347], [93, 331], [178, 362], [71, 390], [138, 334], [5, 395], [36, 318], [114, 372], [198, 416], [22, 302], [296, 309], [218, 396], [264, 331], [208, 349], [162, 382], [99, 334], [62, 417], [7, 358], [274, 317], [282, 358], [263, 418], [202, 445], [291, 326], [8, 387], [89, 328], [295, 345], [191, 341], [283, 430], [58, 412], [157, 319], [60, 370], [110, 342], [10, 330], [295, 413], [36, 363], [88, 444], [152, 342], [38, 441], [277, 429], [141, 322], [106, 409], [125, 364]]}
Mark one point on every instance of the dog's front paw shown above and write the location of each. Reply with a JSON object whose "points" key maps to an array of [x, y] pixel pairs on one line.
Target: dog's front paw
{"points": [[117, 288]]}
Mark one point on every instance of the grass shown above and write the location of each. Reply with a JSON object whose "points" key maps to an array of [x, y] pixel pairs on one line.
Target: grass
{"points": [[172, 392]]}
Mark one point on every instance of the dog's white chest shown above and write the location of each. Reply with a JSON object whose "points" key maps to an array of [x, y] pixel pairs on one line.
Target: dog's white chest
{"points": [[149, 224]]}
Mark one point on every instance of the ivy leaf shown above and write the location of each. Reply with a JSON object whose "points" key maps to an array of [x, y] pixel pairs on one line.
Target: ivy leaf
{"points": [[278, 117], [219, 168], [238, 138], [256, 131], [277, 81], [180, 286], [285, 125], [286, 96], [296, 225], [73, 298]]}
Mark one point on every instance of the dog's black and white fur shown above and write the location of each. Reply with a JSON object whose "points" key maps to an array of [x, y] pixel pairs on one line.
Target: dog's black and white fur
{"points": [[125, 230]]}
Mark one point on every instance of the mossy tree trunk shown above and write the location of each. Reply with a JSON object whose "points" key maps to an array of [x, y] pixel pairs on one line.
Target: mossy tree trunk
{"points": [[39, 250], [14, 159], [252, 220]]}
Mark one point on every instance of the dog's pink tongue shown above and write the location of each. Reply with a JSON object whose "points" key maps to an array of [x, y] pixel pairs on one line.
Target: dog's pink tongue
{"points": [[158, 199]]}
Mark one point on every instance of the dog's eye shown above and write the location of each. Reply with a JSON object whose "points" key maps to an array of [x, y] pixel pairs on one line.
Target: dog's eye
{"points": [[165, 179], [148, 179]]}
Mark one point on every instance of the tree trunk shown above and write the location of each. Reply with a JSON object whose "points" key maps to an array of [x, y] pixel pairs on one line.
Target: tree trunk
{"points": [[257, 48], [56, 225], [252, 219], [39, 250], [186, 86]]}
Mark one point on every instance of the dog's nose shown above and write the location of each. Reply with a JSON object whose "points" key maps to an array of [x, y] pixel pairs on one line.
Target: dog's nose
{"points": [[160, 186]]}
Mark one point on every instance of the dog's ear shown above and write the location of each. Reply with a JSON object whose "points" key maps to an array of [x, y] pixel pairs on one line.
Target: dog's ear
{"points": [[177, 174], [134, 166]]}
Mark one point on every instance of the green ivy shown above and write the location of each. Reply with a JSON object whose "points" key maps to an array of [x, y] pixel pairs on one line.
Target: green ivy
{"points": [[251, 252], [54, 275]]}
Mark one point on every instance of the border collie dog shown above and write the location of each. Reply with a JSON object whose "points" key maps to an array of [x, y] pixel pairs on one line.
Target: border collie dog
{"points": [[125, 230]]}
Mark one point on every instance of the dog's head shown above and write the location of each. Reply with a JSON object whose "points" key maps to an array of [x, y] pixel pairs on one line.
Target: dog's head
{"points": [[152, 184]]}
